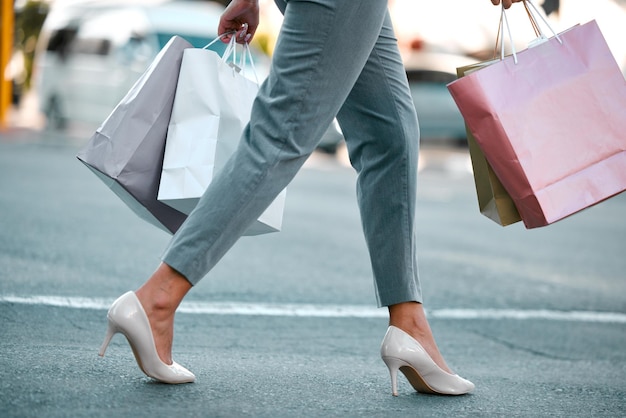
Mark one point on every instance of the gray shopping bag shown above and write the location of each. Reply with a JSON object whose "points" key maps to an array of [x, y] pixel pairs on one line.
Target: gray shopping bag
{"points": [[126, 151]]}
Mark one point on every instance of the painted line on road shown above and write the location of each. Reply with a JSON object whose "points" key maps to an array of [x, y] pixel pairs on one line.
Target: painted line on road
{"points": [[328, 311]]}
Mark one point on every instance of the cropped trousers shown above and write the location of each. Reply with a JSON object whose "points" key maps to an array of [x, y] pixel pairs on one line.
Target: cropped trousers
{"points": [[333, 58]]}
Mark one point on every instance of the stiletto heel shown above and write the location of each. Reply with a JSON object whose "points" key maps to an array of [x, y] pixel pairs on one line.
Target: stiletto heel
{"points": [[107, 339], [402, 352], [128, 317], [393, 365]]}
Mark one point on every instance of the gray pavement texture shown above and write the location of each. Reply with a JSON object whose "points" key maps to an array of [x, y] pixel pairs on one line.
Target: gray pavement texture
{"points": [[63, 233]]}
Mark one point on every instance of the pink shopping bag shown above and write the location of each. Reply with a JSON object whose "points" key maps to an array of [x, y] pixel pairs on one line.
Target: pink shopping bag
{"points": [[552, 125]]}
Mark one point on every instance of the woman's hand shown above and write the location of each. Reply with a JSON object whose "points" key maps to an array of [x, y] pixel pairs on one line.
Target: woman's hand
{"points": [[241, 16], [505, 3]]}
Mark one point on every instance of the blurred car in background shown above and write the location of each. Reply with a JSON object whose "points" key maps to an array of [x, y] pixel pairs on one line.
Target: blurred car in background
{"points": [[428, 74], [89, 54]]}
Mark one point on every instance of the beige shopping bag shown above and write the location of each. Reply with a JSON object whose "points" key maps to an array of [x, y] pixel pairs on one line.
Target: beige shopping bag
{"points": [[493, 200]]}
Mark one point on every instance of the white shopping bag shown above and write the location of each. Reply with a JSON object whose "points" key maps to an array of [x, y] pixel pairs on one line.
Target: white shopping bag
{"points": [[211, 108]]}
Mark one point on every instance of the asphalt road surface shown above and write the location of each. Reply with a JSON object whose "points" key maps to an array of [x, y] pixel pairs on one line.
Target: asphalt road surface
{"points": [[286, 324]]}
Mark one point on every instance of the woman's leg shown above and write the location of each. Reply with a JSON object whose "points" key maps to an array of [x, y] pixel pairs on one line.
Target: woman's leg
{"points": [[382, 134], [321, 50]]}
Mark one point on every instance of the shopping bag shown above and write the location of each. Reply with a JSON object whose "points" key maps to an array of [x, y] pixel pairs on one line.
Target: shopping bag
{"points": [[126, 151], [211, 109], [551, 123], [493, 200]]}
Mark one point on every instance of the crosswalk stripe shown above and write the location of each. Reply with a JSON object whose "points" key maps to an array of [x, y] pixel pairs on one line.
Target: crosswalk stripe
{"points": [[327, 311]]}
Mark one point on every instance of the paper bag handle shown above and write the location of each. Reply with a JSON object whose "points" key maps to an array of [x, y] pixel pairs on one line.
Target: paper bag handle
{"points": [[231, 51], [504, 23], [232, 32], [533, 14]]}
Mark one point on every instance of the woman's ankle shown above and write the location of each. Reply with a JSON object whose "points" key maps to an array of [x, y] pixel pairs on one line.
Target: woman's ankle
{"points": [[163, 291], [411, 318]]}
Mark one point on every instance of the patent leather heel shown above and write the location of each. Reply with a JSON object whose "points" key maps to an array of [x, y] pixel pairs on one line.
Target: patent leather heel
{"points": [[402, 352], [393, 365], [107, 339], [127, 316]]}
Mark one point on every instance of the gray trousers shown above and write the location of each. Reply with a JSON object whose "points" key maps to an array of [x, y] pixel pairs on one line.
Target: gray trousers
{"points": [[332, 58]]}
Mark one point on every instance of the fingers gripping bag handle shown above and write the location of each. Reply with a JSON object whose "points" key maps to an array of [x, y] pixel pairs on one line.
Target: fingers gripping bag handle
{"points": [[230, 54]]}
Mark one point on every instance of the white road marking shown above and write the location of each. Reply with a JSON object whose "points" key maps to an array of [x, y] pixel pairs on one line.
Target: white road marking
{"points": [[328, 311]]}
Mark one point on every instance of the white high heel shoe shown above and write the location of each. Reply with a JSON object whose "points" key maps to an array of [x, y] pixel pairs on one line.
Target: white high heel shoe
{"points": [[128, 317], [402, 352]]}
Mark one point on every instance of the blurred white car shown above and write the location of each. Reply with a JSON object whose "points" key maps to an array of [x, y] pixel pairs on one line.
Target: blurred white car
{"points": [[90, 54]]}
